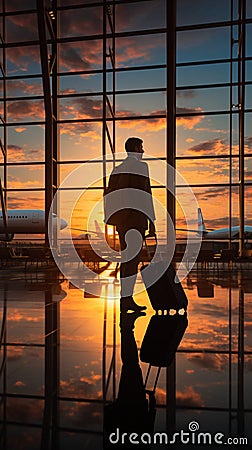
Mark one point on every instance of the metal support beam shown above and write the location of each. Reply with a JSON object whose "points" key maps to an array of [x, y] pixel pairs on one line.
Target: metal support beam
{"points": [[50, 108], [49, 436], [241, 101], [240, 367], [171, 106], [171, 153], [4, 144], [108, 55], [55, 110]]}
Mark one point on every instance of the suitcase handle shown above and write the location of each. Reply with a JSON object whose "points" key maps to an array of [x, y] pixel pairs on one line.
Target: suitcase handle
{"points": [[156, 379]]}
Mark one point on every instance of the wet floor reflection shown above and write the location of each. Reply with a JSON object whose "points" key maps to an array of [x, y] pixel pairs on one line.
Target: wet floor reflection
{"points": [[133, 410], [66, 358]]}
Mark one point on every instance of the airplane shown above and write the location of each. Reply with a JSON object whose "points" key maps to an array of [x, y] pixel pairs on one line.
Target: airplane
{"points": [[98, 233], [24, 221], [221, 233]]}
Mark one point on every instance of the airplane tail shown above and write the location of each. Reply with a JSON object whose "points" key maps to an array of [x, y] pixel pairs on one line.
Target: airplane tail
{"points": [[98, 230], [201, 224]]}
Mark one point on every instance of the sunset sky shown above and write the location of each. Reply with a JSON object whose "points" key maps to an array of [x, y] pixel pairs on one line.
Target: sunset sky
{"points": [[198, 135]]}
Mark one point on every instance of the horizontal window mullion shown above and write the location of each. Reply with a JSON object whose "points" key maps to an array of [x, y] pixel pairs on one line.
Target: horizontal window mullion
{"points": [[222, 24]]}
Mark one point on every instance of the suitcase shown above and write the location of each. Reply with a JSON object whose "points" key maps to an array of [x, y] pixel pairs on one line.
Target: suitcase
{"points": [[162, 338], [166, 293]]}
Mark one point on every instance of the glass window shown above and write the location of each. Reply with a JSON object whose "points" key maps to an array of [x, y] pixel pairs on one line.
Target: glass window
{"points": [[79, 214], [140, 15], [26, 143], [76, 2], [248, 40], [25, 87], [196, 11], [248, 97], [203, 45], [210, 171], [71, 84], [81, 108], [80, 56], [21, 358], [248, 71], [88, 175], [141, 104], [25, 110], [248, 132], [81, 22], [22, 177], [26, 199], [141, 79], [249, 8], [140, 50], [205, 74], [16, 5], [23, 59], [248, 204], [210, 99], [248, 170], [23, 27], [84, 140], [214, 204]]}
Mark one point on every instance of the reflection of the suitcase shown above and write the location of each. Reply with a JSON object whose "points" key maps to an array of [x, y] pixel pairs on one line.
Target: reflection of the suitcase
{"points": [[162, 338], [205, 289], [164, 331]]}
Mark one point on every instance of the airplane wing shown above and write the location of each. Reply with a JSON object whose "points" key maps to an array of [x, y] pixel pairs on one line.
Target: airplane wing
{"points": [[81, 229], [194, 231], [186, 229], [98, 231]]}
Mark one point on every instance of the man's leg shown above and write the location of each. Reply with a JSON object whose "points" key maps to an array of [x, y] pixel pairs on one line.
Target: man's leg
{"points": [[128, 273]]}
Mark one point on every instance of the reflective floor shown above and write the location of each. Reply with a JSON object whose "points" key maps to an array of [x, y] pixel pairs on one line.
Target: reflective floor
{"points": [[63, 384]]}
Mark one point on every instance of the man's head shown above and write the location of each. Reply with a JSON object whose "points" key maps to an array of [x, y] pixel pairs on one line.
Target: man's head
{"points": [[134, 145]]}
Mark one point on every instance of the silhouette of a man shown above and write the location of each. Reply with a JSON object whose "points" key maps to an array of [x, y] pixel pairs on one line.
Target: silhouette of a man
{"points": [[131, 208]]}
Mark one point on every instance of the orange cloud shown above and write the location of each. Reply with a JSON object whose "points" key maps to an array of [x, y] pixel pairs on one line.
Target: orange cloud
{"points": [[215, 363], [157, 124], [22, 57], [187, 118], [20, 383], [15, 183], [189, 397], [17, 316], [15, 353], [20, 129], [214, 146], [16, 153], [22, 109], [26, 87], [25, 201]]}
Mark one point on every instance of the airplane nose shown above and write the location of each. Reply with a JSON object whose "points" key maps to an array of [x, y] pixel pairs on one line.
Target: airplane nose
{"points": [[63, 224]]}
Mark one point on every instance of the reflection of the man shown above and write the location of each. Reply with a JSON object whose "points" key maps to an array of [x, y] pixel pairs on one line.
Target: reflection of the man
{"points": [[134, 410]]}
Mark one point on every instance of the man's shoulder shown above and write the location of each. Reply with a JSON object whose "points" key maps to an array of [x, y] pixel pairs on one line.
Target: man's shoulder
{"points": [[133, 166]]}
